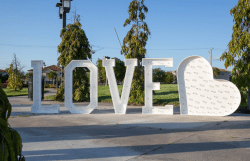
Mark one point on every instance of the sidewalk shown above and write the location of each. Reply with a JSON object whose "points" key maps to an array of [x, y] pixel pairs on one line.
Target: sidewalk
{"points": [[103, 135]]}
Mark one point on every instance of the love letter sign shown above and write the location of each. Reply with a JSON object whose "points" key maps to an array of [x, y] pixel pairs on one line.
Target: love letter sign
{"points": [[93, 86], [120, 104], [199, 93], [37, 106]]}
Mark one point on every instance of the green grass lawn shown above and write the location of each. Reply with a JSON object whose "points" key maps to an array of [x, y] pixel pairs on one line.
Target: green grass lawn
{"points": [[49, 97], [11, 92], [167, 95], [104, 94]]}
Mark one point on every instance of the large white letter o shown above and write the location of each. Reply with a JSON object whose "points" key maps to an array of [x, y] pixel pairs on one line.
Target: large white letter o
{"points": [[93, 87]]}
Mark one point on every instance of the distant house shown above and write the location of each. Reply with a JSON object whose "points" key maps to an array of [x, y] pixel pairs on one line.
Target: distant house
{"points": [[46, 70], [174, 72], [175, 76], [3, 72], [4, 75], [224, 74]]}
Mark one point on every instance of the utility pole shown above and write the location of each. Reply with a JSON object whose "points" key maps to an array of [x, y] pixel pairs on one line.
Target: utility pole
{"points": [[91, 52], [211, 56]]}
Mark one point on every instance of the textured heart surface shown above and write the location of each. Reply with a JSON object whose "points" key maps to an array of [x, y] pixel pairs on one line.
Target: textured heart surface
{"points": [[201, 94]]}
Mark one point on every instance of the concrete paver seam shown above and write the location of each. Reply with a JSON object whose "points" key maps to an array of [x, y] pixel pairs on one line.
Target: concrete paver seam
{"points": [[159, 147]]}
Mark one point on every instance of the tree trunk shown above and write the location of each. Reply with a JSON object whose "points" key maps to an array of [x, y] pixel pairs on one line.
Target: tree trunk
{"points": [[248, 98]]}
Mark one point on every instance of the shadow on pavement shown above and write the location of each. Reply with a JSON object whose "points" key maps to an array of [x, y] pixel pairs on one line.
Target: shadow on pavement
{"points": [[97, 153], [37, 134]]}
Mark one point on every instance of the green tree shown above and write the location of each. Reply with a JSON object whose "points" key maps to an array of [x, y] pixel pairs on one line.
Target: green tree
{"points": [[15, 79], [119, 70], [101, 71], [51, 75], [159, 75], [27, 75], [15, 75], [74, 46], [239, 48], [216, 71], [10, 139], [134, 46], [169, 77]]}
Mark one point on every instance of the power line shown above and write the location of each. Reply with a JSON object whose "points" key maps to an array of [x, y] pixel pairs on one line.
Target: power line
{"points": [[118, 37], [106, 47], [189, 49], [12, 45]]}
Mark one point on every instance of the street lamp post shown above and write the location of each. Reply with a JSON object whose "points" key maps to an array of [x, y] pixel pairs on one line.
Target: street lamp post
{"points": [[64, 7]]}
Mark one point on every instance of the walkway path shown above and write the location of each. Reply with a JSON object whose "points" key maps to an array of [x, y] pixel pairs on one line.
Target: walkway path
{"points": [[104, 135]]}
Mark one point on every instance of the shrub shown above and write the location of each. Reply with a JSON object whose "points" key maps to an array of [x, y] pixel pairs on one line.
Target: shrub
{"points": [[50, 86], [10, 139], [169, 77]]}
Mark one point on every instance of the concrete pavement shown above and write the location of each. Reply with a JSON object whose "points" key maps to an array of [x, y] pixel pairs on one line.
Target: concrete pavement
{"points": [[104, 135]]}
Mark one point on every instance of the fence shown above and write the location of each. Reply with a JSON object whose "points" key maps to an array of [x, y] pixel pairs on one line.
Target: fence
{"points": [[4, 85]]}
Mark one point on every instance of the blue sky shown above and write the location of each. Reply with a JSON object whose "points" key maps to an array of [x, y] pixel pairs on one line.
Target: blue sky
{"points": [[31, 29]]}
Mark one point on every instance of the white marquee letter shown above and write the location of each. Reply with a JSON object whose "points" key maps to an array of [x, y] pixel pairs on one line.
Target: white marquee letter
{"points": [[201, 94], [150, 86], [37, 107], [93, 87], [120, 104]]}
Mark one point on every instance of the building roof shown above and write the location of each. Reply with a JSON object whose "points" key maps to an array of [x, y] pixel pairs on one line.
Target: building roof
{"points": [[52, 67], [3, 71], [222, 70]]}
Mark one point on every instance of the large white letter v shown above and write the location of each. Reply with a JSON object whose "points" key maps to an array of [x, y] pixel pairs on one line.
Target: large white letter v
{"points": [[120, 104]]}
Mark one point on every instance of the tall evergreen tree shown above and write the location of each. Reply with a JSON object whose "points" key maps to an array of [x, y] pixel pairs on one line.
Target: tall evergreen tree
{"points": [[15, 75], [239, 47], [75, 46], [134, 46]]}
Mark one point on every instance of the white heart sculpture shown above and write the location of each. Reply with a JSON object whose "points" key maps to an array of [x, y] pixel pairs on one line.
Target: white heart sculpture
{"points": [[201, 94]]}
